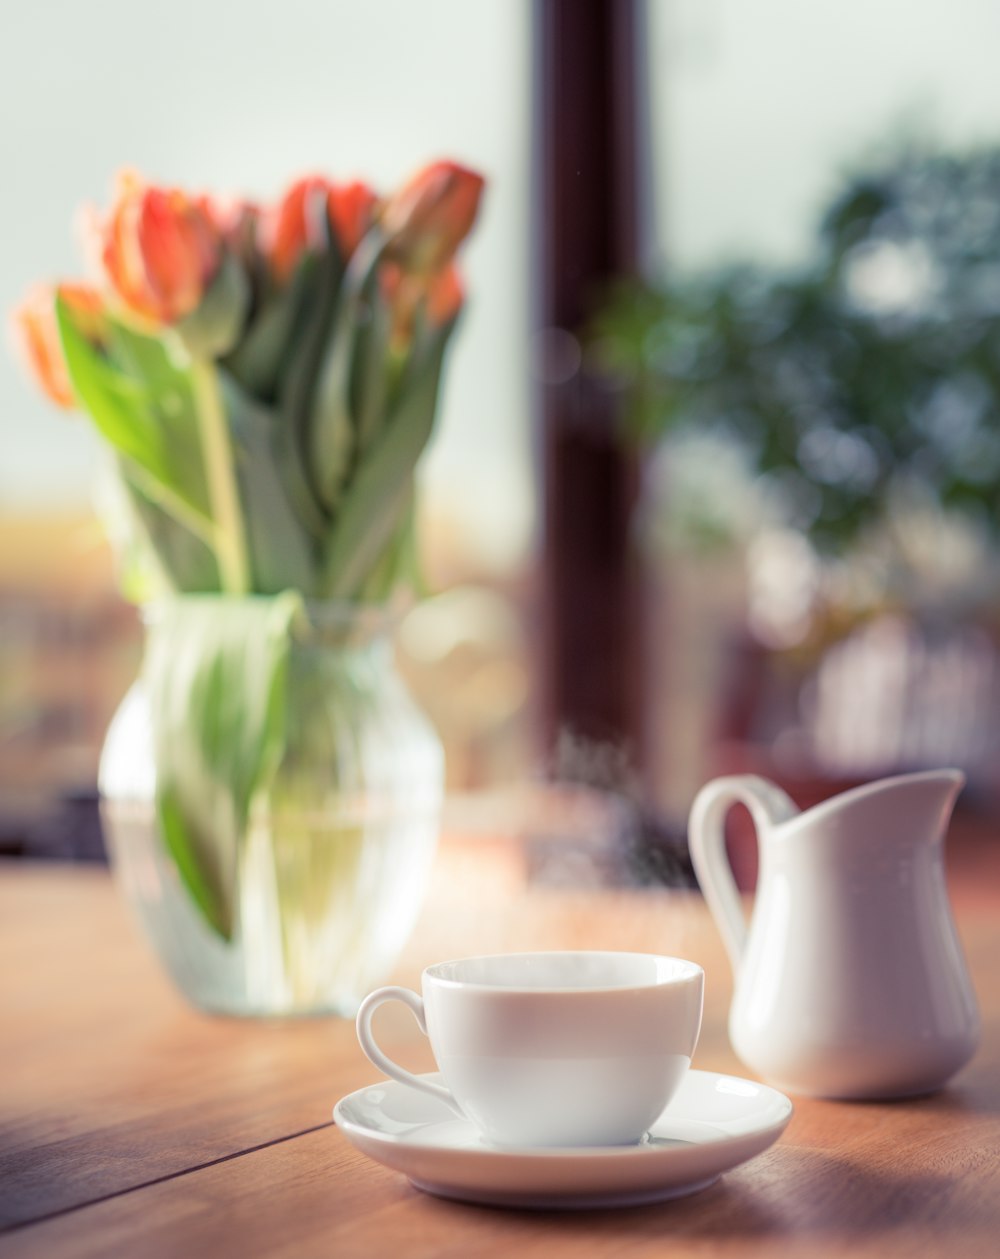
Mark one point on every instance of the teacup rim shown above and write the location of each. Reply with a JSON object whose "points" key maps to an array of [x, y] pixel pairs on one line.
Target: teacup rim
{"points": [[694, 972]]}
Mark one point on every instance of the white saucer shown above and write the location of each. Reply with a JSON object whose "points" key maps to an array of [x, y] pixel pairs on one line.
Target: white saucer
{"points": [[713, 1124]]}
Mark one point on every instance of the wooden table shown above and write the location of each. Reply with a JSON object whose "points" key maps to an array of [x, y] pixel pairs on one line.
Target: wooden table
{"points": [[131, 1125]]}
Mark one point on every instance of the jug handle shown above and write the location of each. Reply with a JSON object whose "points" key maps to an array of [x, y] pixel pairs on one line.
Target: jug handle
{"points": [[768, 806]]}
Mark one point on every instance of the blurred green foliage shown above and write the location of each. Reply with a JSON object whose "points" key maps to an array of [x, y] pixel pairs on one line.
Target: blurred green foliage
{"points": [[868, 377]]}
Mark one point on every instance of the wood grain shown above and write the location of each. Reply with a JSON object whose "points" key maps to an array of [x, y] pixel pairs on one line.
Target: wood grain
{"points": [[108, 1080], [129, 1123], [871, 1180]]}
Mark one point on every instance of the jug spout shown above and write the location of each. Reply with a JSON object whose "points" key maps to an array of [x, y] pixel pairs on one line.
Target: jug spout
{"points": [[904, 811]]}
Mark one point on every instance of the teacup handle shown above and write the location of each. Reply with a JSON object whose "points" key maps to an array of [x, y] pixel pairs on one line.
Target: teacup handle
{"points": [[385, 1064], [768, 806]]}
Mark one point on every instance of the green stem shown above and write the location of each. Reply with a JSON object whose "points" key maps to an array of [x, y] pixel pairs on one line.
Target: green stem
{"points": [[230, 542]]}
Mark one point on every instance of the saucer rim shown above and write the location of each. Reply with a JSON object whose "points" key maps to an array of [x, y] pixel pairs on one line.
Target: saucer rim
{"points": [[637, 1151]]}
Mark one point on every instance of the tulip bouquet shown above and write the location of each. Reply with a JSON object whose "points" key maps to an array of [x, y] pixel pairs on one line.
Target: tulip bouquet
{"points": [[266, 378]]}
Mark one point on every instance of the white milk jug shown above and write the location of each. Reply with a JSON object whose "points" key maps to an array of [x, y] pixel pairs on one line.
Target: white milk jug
{"points": [[850, 980]]}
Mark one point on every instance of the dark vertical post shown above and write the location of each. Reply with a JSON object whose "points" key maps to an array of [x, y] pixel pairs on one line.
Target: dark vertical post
{"points": [[586, 231]]}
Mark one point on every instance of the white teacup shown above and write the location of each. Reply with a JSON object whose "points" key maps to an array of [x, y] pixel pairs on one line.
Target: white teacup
{"points": [[560, 1049]]}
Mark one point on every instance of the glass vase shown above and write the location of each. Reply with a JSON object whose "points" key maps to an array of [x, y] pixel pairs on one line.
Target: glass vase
{"points": [[332, 867]]}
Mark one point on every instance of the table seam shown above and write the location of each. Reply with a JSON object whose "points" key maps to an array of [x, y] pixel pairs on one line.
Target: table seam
{"points": [[160, 1180]]}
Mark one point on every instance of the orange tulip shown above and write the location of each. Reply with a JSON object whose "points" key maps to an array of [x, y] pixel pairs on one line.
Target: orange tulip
{"points": [[441, 294], [161, 250], [351, 209], [37, 332], [285, 231], [295, 224], [444, 296], [429, 217]]}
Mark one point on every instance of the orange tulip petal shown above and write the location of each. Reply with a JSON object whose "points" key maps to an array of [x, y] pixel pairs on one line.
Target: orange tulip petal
{"points": [[286, 232], [177, 250], [296, 224], [445, 296], [432, 214], [37, 334], [351, 209]]}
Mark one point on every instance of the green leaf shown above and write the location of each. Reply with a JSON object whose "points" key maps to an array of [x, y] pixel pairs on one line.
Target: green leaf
{"points": [[396, 566], [214, 327], [283, 314], [376, 497], [144, 408], [298, 391], [119, 406], [216, 673], [145, 358], [181, 559], [370, 375], [330, 432], [282, 555]]}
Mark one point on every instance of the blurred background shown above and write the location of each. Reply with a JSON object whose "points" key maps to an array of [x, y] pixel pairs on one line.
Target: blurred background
{"points": [[715, 480]]}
